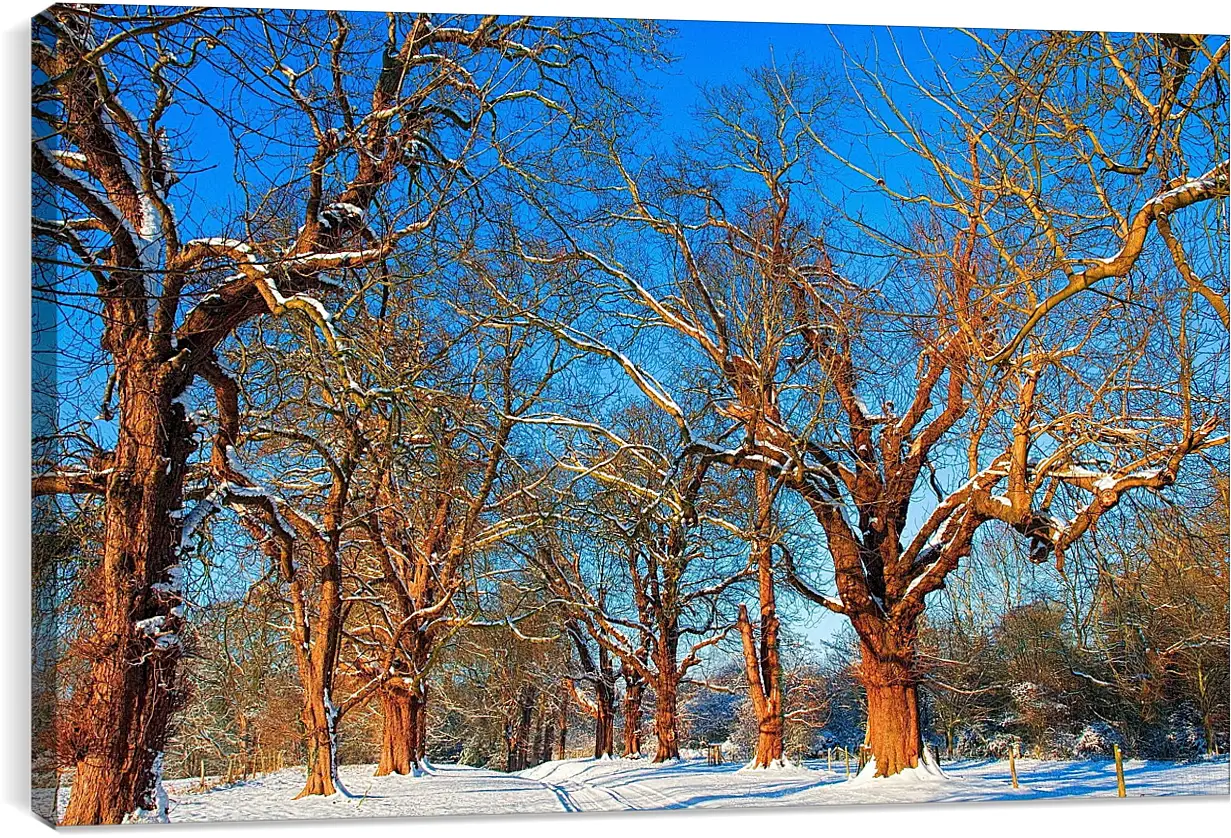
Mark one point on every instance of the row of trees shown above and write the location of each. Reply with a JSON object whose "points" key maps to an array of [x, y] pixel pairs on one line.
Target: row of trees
{"points": [[466, 381], [1007, 658]]}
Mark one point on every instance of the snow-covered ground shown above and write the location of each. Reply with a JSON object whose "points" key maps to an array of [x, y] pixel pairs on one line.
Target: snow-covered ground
{"points": [[584, 785]]}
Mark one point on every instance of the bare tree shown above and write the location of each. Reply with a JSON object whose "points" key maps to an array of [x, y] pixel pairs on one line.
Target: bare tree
{"points": [[442, 492], [1088, 416], [648, 588], [408, 111]]}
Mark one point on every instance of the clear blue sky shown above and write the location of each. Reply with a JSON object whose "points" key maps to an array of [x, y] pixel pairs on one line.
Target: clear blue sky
{"points": [[709, 53]]}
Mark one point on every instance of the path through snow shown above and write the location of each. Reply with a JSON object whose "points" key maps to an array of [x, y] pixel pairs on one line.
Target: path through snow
{"points": [[587, 785]]}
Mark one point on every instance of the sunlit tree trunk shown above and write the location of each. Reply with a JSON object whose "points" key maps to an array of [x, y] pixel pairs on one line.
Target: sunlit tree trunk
{"points": [[397, 740], [319, 721], [666, 727], [122, 718], [604, 722], [666, 695], [317, 666], [889, 677], [634, 690], [762, 665]]}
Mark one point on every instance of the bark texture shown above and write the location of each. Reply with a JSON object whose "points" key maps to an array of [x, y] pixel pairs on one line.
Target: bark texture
{"points": [[894, 734], [634, 691], [119, 726], [402, 731], [762, 665], [666, 718]]}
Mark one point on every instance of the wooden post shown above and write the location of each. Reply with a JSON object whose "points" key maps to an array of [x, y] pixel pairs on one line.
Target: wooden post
{"points": [[847, 751], [1013, 764], [829, 759], [1120, 791], [202, 773]]}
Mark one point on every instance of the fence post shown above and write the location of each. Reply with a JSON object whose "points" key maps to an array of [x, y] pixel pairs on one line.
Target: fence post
{"points": [[1013, 764], [847, 751], [202, 773], [1120, 791]]}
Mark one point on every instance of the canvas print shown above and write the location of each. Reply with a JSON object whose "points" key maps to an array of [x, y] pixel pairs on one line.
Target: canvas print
{"points": [[441, 413]]}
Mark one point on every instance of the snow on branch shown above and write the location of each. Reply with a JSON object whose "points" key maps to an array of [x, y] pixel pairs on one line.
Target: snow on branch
{"points": [[1213, 184]]}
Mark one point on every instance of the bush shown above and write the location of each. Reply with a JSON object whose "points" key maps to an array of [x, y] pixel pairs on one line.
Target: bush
{"points": [[1097, 740], [1182, 737], [1000, 744]]}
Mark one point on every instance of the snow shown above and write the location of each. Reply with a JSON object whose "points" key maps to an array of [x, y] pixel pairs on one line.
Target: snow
{"points": [[337, 213], [867, 415], [619, 784], [151, 625], [69, 157], [1208, 181], [777, 766], [924, 773], [162, 801], [918, 580]]}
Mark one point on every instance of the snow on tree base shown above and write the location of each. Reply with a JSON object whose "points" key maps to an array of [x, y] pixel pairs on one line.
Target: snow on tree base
{"points": [[927, 771], [159, 814]]}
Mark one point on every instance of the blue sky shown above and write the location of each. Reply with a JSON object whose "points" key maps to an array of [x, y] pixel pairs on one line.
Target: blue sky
{"points": [[710, 53]]}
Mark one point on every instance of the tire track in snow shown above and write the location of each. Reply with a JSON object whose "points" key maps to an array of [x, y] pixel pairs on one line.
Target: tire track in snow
{"points": [[566, 802], [644, 796], [575, 796]]}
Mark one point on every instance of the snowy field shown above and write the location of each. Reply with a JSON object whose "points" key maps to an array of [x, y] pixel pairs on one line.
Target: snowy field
{"points": [[586, 785]]}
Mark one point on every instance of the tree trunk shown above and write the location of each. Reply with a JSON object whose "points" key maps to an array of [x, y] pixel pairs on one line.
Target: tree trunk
{"points": [[397, 739], [665, 719], [520, 744], [548, 745], [761, 667], [562, 728], [604, 722], [418, 717], [762, 664], [633, 692], [317, 662], [119, 726], [540, 732], [319, 720], [894, 734]]}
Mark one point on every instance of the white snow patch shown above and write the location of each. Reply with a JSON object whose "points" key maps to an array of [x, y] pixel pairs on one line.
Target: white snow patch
{"points": [[927, 771], [619, 784]]}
